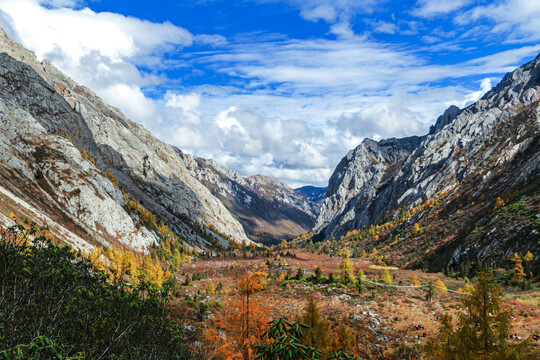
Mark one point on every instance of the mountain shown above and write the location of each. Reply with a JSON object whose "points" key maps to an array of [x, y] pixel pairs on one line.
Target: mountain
{"points": [[267, 208], [70, 160], [475, 165], [312, 193]]}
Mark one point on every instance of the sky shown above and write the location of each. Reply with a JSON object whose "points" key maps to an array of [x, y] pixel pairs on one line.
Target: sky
{"points": [[283, 88]]}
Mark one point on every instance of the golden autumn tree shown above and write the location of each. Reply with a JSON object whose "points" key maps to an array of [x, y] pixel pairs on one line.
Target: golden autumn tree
{"points": [[415, 229], [210, 288], [499, 203], [414, 280], [528, 257], [97, 259], [243, 321], [346, 273], [386, 277], [519, 273], [440, 287]]}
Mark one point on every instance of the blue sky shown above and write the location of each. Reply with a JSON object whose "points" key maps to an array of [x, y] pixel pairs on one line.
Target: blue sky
{"points": [[281, 88]]}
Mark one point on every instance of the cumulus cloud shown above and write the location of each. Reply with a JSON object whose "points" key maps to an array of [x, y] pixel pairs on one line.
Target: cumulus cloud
{"points": [[384, 119], [293, 108], [188, 104]]}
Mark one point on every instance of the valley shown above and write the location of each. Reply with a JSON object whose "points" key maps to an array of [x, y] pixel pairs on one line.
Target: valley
{"points": [[118, 245]]}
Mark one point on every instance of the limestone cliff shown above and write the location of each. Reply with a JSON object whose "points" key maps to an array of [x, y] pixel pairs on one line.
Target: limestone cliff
{"points": [[489, 147], [58, 141]]}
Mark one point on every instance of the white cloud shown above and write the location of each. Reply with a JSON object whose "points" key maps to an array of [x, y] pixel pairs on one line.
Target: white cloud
{"points": [[518, 20], [384, 27], [62, 3], [434, 8], [295, 107], [132, 101], [188, 104], [324, 12]]}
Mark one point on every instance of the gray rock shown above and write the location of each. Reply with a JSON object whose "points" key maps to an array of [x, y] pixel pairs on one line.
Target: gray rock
{"points": [[41, 108], [378, 177]]}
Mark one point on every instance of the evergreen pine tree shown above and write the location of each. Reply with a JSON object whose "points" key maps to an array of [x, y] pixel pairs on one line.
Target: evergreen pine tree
{"points": [[317, 335], [483, 331]]}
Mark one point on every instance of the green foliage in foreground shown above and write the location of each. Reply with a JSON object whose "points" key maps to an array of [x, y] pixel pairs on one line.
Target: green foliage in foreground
{"points": [[40, 348], [287, 338], [483, 329], [56, 305]]}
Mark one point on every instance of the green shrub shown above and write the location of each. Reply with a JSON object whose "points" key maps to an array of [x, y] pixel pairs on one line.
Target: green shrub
{"points": [[50, 291]]}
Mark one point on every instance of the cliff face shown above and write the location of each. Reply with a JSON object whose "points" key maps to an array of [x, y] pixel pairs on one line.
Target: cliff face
{"points": [[267, 208], [490, 146], [357, 179], [58, 141]]}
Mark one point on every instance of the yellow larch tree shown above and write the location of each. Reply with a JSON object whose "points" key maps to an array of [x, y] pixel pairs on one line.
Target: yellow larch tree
{"points": [[386, 277], [414, 280], [439, 286]]}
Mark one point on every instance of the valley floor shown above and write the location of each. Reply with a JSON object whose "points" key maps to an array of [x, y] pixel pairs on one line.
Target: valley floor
{"points": [[391, 320]]}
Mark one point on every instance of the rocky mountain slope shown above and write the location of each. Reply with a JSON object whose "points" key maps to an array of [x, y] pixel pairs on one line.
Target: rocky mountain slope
{"points": [[313, 194], [72, 157], [267, 208], [489, 149]]}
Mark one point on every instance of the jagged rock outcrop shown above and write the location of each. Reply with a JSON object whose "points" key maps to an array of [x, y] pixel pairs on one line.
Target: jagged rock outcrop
{"points": [[357, 179], [267, 208], [58, 141], [378, 177]]}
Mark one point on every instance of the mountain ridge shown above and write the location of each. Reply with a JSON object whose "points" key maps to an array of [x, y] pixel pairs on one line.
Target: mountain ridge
{"points": [[47, 114], [268, 208], [368, 185]]}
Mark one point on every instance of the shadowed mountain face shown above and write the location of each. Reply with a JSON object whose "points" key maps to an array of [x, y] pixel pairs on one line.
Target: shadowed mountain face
{"points": [[490, 146], [267, 208], [312, 193], [67, 158]]}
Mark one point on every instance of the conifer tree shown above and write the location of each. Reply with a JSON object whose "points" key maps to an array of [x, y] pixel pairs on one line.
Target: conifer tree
{"points": [[360, 284], [519, 274], [386, 277], [346, 273], [483, 328], [342, 338], [317, 336], [243, 321], [299, 274], [210, 289], [318, 272], [219, 287]]}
